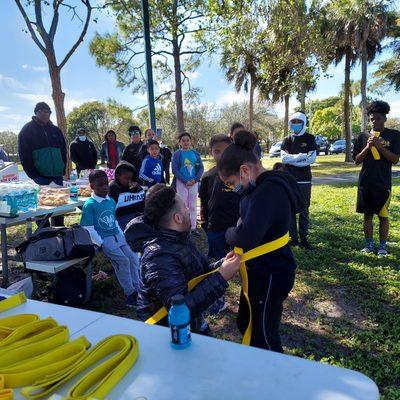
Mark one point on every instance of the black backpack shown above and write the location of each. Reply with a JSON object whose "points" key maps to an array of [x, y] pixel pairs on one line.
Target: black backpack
{"points": [[56, 244], [69, 287]]}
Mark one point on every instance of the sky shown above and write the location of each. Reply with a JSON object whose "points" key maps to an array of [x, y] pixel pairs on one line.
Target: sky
{"points": [[24, 77]]}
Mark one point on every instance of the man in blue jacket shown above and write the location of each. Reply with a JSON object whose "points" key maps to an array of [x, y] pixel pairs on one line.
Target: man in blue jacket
{"points": [[42, 148]]}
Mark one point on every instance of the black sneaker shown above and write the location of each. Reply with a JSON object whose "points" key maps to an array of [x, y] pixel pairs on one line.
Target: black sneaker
{"points": [[131, 300], [305, 244]]}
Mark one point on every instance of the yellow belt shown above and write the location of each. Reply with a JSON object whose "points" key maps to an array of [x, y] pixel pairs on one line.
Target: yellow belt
{"points": [[99, 381], [249, 255], [374, 151], [12, 301]]}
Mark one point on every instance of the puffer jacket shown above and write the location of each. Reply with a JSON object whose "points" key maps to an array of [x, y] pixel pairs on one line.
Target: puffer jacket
{"points": [[169, 261]]}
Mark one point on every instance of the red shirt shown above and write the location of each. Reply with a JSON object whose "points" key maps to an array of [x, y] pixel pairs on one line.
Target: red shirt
{"points": [[112, 154]]}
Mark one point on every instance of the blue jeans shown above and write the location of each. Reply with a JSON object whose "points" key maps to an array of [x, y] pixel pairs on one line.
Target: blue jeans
{"points": [[218, 248]]}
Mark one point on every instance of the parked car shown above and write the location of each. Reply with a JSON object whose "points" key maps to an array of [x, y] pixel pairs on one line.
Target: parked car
{"points": [[322, 144], [339, 146], [275, 150]]}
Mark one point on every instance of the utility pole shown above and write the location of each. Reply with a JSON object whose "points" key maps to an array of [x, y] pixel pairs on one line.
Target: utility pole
{"points": [[149, 69]]}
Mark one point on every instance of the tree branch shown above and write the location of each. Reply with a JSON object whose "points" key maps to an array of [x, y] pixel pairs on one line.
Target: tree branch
{"points": [[54, 22], [29, 26], [83, 33]]}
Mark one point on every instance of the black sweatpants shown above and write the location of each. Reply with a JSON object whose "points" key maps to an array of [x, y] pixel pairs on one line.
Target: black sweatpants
{"points": [[305, 189], [267, 292]]}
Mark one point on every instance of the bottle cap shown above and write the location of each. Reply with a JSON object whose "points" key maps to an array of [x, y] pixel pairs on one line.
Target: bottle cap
{"points": [[177, 299]]}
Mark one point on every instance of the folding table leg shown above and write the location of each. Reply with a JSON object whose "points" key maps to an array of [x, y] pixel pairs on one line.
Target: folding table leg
{"points": [[4, 255], [89, 271]]}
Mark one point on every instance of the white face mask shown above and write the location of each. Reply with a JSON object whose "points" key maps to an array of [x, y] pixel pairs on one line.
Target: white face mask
{"points": [[82, 138]]}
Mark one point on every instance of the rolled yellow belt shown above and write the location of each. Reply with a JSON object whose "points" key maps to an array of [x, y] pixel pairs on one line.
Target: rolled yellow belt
{"points": [[99, 381], [12, 301], [374, 150], [249, 255]]}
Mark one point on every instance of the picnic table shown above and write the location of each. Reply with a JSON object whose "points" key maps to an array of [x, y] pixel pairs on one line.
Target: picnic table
{"points": [[43, 213], [210, 368]]}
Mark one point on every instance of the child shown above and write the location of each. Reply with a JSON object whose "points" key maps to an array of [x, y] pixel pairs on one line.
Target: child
{"points": [[187, 168], [377, 150], [219, 209], [151, 171], [98, 217], [127, 193]]}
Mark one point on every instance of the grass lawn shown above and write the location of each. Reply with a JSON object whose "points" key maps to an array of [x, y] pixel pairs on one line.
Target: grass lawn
{"points": [[345, 307]]}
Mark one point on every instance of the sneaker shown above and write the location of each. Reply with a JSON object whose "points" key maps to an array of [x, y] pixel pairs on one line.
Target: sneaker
{"points": [[131, 300], [216, 308], [382, 252], [367, 250], [305, 244], [204, 328]]}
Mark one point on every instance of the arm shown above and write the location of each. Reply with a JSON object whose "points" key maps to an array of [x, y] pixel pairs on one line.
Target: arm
{"points": [[360, 151], [203, 191], [310, 158], [164, 275], [292, 159], [95, 157], [175, 167], [142, 172], [200, 169], [87, 222], [25, 155], [72, 152], [103, 155], [385, 152], [63, 149]]}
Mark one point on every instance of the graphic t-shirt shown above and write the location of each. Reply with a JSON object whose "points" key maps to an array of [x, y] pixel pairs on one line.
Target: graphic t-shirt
{"points": [[377, 173], [101, 216], [129, 200], [188, 162], [296, 145]]}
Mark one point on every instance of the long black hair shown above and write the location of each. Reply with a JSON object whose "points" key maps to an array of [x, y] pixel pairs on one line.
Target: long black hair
{"points": [[241, 151]]}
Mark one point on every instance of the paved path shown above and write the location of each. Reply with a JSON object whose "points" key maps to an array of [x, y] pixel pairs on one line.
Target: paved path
{"points": [[335, 179]]}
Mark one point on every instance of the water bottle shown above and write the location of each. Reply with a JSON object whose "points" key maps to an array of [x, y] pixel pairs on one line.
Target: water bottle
{"points": [[179, 322], [74, 189]]}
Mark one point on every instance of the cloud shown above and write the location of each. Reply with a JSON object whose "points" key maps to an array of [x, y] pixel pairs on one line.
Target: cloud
{"points": [[4, 108], [193, 74], [11, 83], [34, 68], [230, 97], [34, 98], [15, 117], [394, 109]]}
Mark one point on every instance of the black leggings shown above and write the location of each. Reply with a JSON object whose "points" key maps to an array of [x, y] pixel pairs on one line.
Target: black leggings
{"points": [[267, 293]]}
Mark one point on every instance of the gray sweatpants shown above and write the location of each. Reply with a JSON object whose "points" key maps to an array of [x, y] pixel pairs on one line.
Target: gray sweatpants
{"points": [[124, 261]]}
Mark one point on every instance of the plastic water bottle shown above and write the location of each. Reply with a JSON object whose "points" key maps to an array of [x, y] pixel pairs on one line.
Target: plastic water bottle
{"points": [[179, 322], [74, 189]]}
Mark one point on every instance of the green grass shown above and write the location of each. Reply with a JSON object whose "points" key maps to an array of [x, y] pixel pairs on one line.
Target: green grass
{"points": [[345, 307]]}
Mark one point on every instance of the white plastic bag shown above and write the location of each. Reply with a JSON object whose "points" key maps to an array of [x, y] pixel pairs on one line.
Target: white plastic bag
{"points": [[24, 285]]}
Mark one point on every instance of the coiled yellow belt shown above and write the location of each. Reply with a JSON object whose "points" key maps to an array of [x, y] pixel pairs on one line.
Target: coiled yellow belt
{"points": [[374, 150], [249, 255]]}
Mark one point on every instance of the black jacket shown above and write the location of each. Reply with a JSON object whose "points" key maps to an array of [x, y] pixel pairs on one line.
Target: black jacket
{"points": [[132, 155], [83, 154], [219, 204], [166, 156], [265, 215], [42, 150], [169, 261]]}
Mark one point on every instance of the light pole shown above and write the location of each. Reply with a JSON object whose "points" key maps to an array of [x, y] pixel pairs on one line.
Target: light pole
{"points": [[149, 70]]}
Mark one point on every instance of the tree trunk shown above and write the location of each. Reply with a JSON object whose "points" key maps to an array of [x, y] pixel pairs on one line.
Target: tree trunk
{"points": [[346, 107], [302, 96], [58, 99], [251, 104], [178, 86], [364, 117], [286, 119]]}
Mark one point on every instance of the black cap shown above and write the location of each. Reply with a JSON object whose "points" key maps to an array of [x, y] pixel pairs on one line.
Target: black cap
{"points": [[80, 130], [177, 300], [42, 106]]}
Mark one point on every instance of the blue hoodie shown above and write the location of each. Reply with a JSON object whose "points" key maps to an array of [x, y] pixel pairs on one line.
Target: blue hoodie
{"points": [[151, 171]]}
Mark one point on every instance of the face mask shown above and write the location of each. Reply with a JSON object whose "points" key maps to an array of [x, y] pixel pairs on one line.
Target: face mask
{"points": [[82, 138], [241, 190], [296, 128]]}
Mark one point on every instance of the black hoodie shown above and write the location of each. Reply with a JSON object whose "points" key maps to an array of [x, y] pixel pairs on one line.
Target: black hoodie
{"points": [[169, 261], [132, 154], [129, 200], [265, 215], [83, 154]]}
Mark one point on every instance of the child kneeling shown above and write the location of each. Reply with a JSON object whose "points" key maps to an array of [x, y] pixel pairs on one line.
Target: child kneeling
{"points": [[98, 217]]}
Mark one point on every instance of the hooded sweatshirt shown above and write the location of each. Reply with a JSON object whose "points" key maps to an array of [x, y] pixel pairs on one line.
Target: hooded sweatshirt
{"points": [[299, 151], [132, 154], [265, 215], [129, 200]]}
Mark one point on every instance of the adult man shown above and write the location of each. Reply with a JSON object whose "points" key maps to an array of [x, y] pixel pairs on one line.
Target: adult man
{"points": [[298, 152], [170, 260], [83, 151], [377, 151], [42, 149], [132, 151]]}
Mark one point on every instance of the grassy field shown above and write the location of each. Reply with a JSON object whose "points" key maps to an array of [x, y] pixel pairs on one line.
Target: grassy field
{"points": [[345, 307]]}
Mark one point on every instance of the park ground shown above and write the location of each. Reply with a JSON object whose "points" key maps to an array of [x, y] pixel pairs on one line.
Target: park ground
{"points": [[345, 307]]}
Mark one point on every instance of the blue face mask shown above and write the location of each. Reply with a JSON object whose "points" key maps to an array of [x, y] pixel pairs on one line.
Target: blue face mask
{"points": [[82, 138], [241, 190], [296, 128]]}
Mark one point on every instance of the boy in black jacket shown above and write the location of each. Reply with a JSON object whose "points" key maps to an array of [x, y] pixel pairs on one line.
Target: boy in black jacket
{"points": [[219, 209], [83, 152], [127, 194]]}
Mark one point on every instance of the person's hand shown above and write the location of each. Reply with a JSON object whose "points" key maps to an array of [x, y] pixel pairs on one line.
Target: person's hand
{"points": [[370, 141], [191, 182], [230, 267]]}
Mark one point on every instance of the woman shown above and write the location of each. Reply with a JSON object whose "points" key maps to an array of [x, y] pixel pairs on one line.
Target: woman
{"points": [[111, 150], [269, 200]]}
